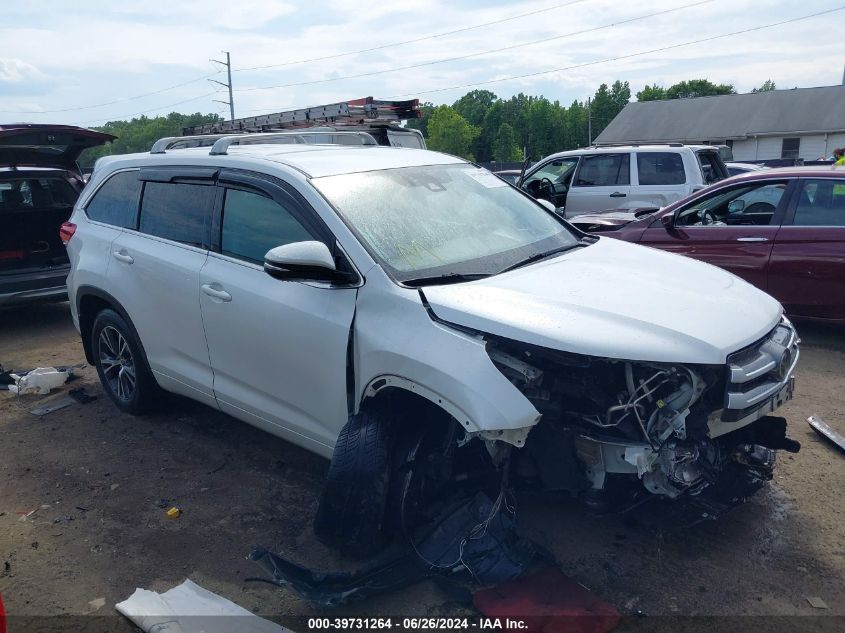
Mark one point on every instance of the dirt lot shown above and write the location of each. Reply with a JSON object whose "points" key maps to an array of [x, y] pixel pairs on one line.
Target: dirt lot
{"points": [[101, 481]]}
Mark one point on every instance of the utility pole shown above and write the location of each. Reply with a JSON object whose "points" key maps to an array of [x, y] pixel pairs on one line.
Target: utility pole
{"points": [[231, 101], [589, 122]]}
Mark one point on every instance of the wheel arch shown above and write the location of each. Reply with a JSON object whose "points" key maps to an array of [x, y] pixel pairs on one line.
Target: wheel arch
{"points": [[90, 301]]}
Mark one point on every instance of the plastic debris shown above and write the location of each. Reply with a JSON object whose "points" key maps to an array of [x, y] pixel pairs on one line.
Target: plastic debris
{"points": [[817, 603], [97, 603], [173, 513], [456, 546], [40, 380], [55, 405], [189, 608], [823, 428]]}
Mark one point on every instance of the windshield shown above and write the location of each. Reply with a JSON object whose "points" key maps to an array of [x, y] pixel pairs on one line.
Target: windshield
{"points": [[443, 220]]}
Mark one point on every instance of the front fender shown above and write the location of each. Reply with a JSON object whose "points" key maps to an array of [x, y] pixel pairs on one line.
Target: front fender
{"points": [[397, 344]]}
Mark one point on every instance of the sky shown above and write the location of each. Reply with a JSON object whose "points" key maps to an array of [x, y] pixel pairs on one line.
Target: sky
{"points": [[85, 63]]}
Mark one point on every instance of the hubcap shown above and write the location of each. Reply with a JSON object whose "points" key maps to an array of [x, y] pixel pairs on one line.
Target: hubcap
{"points": [[117, 362]]}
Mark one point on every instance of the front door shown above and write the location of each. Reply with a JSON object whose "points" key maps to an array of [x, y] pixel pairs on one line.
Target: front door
{"points": [[734, 228], [278, 348], [550, 181]]}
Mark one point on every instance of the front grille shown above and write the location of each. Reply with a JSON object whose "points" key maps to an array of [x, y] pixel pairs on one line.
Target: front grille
{"points": [[758, 372]]}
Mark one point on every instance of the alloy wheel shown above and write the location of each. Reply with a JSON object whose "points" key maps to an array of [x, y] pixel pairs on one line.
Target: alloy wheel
{"points": [[117, 362]]}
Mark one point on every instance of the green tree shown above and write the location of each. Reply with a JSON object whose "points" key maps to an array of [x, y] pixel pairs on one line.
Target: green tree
{"points": [[505, 146], [767, 86], [698, 88], [449, 132], [651, 93], [139, 134]]}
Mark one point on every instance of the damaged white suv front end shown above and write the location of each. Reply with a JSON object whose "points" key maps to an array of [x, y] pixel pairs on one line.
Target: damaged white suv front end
{"points": [[593, 366]]}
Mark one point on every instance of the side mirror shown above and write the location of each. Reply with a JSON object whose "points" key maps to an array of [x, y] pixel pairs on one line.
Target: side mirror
{"points": [[736, 206], [547, 205], [668, 221], [304, 261]]}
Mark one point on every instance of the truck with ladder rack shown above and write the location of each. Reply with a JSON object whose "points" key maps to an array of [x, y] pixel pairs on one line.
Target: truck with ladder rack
{"points": [[379, 119]]}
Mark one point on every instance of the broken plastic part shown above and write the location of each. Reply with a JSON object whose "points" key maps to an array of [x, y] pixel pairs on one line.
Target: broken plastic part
{"points": [[491, 554], [39, 381]]}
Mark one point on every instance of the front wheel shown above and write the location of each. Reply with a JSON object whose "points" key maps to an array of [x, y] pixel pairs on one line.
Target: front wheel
{"points": [[120, 364]]}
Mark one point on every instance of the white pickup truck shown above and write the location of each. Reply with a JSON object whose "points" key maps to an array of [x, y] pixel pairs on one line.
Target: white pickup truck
{"points": [[598, 179]]}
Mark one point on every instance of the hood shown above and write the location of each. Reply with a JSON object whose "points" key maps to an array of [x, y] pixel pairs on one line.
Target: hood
{"points": [[42, 145], [613, 299]]}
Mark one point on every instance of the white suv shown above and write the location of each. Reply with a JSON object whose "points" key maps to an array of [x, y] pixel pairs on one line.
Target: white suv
{"points": [[422, 323], [598, 179]]}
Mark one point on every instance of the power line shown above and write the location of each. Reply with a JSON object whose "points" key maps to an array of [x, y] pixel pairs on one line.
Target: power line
{"points": [[480, 53], [105, 103], [125, 116], [621, 57], [418, 39]]}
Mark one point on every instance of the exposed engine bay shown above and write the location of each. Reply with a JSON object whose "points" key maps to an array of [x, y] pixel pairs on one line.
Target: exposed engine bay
{"points": [[607, 423]]}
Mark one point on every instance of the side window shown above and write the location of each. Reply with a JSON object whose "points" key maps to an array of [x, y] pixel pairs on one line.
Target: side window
{"points": [[751, 204], [712, 168], [661, 168], [604, 170], [557, 171], [253, 224], [821, 203], [177, 211], [116, 202]]}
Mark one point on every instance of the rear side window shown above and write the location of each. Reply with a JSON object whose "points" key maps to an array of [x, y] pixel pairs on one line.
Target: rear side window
{"points": [[821, 203], [177, 211], [116, 202], [661, 168], [604, 170], [253, 224]]}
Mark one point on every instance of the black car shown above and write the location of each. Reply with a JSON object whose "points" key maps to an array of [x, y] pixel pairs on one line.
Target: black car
{"points": [[40, 181]]}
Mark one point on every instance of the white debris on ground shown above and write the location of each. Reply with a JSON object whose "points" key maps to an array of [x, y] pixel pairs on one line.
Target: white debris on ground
{"points": [[189, 608], [39, 381]]}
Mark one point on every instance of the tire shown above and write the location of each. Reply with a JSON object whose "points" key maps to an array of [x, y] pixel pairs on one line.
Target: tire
{"points": [[351, 515], [119, 359]]}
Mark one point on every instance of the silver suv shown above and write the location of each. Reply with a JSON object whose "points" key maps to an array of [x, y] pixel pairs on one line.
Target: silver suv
{"points": [[607, 178], [422, 323]]}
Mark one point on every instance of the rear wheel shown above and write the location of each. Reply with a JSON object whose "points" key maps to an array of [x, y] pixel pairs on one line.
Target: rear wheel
{"points": [[120, 364]]}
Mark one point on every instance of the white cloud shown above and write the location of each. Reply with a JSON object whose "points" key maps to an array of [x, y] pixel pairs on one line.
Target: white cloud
{"points": [[14, 70]]}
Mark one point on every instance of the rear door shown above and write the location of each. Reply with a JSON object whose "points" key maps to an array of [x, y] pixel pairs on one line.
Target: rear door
{"points": [[602, 182], [278, 348], [733, 227], [807, 272], [659, 179], [154, 273]]}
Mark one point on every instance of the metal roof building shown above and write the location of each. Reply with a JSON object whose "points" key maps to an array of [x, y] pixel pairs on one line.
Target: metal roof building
{"points": [[802, 123]]}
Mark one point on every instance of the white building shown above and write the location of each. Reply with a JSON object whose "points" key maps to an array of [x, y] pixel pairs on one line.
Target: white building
{"points": [[805, 123]]}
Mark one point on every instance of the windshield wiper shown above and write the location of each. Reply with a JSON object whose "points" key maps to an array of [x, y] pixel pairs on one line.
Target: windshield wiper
{"points": [[539, 256], [447, 278]]}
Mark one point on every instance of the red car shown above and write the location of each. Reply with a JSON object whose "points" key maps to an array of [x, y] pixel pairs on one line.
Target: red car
{"points": [[782, 230]]}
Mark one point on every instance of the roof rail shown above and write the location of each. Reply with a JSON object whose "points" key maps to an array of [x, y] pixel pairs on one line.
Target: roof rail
{"points": [[163, 144], [221, 145], [220, 142]]}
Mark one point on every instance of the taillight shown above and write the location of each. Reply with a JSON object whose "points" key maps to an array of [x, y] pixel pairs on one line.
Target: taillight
{"points": [[66, 232]]}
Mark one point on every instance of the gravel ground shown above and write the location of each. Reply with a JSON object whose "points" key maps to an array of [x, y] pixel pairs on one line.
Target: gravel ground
{"points": [[100, 482]]}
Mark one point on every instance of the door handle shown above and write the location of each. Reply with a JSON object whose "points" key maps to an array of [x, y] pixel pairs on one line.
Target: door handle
{"points": [[211, 291], [752, 239], [618, 194], [123, 256]]}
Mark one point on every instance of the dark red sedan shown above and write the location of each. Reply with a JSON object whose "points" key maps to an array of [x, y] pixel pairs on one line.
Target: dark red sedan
{"points": [[782, 230]]}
